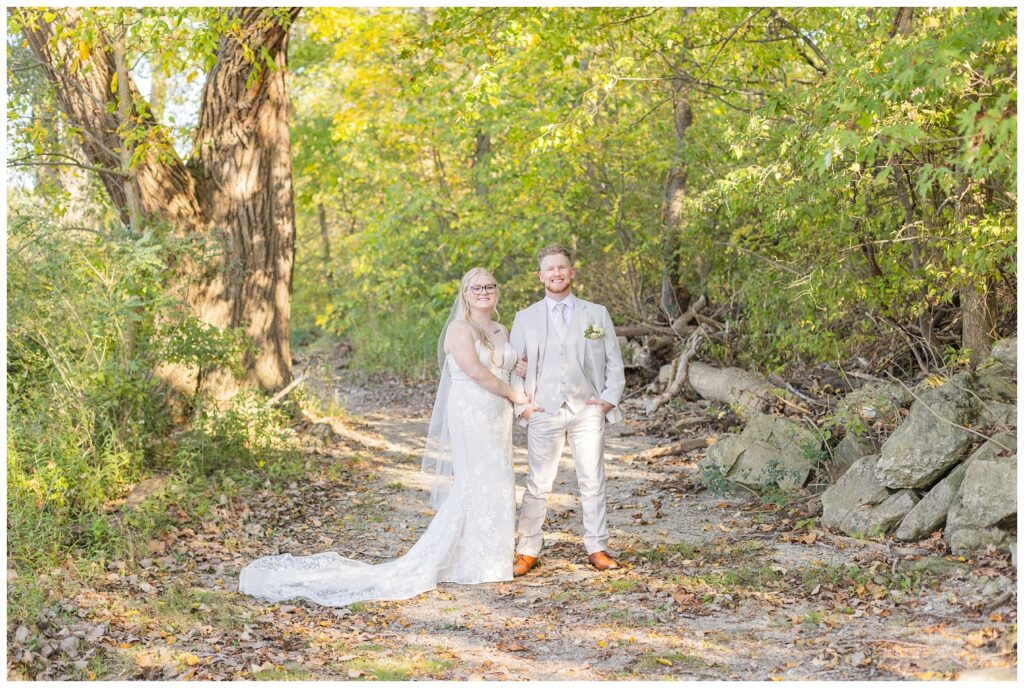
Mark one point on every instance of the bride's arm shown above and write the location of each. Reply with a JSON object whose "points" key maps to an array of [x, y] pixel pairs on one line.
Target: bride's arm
{"points": [[460, 344]]}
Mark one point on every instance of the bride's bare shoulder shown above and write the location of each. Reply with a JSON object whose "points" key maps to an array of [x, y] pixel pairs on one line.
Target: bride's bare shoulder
{"points": [[460, 333]]}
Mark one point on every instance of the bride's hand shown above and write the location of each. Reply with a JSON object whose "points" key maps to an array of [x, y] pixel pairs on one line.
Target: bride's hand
{"points": [[521, 366], [519, 397]]}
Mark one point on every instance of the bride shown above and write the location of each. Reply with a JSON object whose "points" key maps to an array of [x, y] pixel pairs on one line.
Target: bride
{"points": [[469, 450]]}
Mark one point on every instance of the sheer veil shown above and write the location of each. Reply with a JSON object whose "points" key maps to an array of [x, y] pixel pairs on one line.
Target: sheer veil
{"points": [[437, 455]]}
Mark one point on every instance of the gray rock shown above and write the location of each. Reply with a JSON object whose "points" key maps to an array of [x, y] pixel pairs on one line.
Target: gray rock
{"points": [[1005, 352], [987, 499], [856, 490], [665, 375], [874, 401], [925, 446], [994, 384], [723, 454], [880, 519], [849, 450], [998, 413], [930, 513], [770, 450], [996, 445], [967, 540], [936, 566], [988, 494]]}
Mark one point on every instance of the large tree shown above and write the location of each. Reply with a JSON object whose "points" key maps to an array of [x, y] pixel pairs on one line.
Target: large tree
{"points": [[234, 192]]}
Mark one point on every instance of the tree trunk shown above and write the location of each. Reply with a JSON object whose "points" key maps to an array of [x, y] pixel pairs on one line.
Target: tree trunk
{"points": [[158, 93], [675, 192], [325, 241], [236, 191], [977, 320]]}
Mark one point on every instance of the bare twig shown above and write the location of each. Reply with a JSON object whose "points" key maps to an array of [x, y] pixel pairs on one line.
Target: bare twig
{"points": [[284, 392], [947, 420], [681, 367]]}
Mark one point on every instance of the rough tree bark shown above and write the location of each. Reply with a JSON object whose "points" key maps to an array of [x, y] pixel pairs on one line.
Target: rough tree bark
{"points": [[235, 191], [675, 189]]}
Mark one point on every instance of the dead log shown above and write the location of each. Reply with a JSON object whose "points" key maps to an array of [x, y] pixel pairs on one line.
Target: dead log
{"points": [[749, 391]]}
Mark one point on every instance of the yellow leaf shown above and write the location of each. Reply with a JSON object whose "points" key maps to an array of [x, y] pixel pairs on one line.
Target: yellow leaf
{"points": [[190, 659], [83, 51], [92, 675], [601, 643], [113, 84], [666, 662]]}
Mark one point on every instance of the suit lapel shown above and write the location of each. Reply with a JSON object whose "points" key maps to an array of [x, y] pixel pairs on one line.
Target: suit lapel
{"points": [[542, 331], [581, 323]]}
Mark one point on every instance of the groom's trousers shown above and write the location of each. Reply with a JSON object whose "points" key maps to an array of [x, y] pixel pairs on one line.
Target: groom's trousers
{"points": [[547, 433]]}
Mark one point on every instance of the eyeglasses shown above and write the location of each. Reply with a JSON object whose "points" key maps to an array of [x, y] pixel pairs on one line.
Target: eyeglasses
{"points": [[478, 289]]}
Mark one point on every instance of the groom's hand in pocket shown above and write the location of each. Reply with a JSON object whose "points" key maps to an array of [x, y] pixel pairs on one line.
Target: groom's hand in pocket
{"points": [[605, 406]]}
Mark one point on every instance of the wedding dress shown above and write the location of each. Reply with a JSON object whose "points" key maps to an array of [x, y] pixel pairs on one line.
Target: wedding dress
{"points": [[471, 538]]}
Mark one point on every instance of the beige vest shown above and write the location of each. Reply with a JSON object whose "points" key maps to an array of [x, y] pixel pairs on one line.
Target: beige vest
{"points": [[560, 378]]}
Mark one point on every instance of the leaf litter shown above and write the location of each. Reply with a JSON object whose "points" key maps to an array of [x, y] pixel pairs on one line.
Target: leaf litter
{"points": [[710, 588]]}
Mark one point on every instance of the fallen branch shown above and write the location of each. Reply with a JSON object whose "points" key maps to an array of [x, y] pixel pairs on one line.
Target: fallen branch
{"points": [[691, 313], [680, 447], [284, 392], [648, 330], [677, 328], [680, 377], [877, 546], [778, 381], [690, 422], [997, 602]]}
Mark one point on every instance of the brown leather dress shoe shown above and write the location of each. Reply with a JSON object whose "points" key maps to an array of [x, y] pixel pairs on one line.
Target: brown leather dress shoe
{"points": [[523, 564], [602, 562]]}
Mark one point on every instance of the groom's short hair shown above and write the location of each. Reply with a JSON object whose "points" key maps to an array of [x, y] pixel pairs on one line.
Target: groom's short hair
{"points": [[554, 250]]}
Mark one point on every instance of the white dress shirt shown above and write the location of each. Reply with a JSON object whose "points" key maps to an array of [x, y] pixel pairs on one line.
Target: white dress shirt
{"points": [[570, 304]]}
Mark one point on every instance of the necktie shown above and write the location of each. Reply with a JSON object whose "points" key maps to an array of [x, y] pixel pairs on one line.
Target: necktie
{"points": [[561, 324]]}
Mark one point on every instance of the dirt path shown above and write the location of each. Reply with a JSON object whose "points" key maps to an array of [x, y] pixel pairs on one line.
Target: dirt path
{"points": [[713, 588]]}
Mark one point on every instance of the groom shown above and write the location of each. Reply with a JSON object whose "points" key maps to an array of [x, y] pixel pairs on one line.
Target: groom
{"points": [[575, 377]]}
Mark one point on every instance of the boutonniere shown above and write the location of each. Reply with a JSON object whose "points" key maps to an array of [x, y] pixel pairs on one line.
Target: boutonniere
{"points": [[593, 332]]}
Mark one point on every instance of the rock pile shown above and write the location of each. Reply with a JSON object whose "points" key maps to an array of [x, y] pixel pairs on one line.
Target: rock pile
{"points": [[771, 450], [936, 470]]}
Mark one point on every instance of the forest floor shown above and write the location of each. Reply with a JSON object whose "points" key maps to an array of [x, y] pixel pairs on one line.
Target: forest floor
{"points": [[712, 587]]}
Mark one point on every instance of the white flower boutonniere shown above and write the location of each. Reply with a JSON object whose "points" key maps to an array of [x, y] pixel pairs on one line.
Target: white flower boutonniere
{"points": [[593, 332]]}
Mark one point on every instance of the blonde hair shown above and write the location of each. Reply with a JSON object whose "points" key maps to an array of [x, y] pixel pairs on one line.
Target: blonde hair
{"points": [[554, 250], [463, 314]]}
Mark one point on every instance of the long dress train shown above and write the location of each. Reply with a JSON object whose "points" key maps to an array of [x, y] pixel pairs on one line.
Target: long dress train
{"points": [[470, 539]]}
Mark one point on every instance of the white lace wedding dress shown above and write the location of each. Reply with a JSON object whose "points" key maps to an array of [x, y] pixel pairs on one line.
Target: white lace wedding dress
{"points": [[471, 538]]}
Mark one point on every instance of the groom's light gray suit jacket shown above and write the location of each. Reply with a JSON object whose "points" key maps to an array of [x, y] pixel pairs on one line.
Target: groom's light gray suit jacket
{"points": [[600, 358]]}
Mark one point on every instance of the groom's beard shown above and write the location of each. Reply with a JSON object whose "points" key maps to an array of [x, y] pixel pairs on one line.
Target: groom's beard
{"points": [[559, 288]]}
